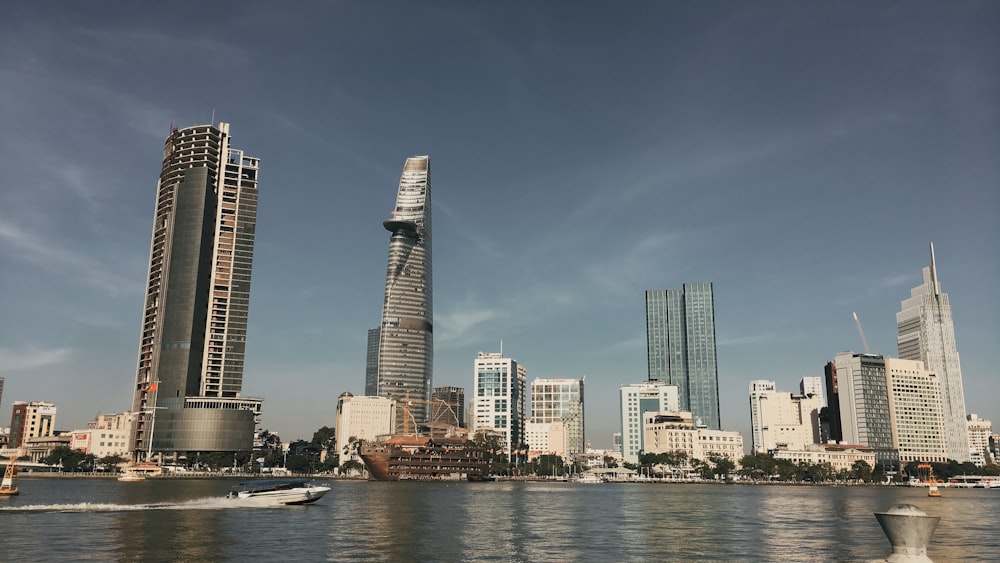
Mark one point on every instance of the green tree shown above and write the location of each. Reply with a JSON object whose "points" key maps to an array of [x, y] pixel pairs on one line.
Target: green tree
{"points": [[69, 460], [861, 471], [722, 465], [111, 462], [352, 467]]}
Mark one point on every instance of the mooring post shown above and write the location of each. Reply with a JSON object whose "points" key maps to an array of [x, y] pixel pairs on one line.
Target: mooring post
{"points": [[909, 530]]}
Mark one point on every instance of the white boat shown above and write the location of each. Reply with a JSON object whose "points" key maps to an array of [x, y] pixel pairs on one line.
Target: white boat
{"points": [[131, 477], [589, 478], [281, 491]]}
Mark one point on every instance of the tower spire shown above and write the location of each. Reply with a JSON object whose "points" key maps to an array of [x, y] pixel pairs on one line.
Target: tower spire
{"points": [[934, 279]]}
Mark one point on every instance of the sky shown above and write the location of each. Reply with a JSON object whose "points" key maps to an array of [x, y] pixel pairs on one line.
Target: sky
{"points": [[801, 156]]}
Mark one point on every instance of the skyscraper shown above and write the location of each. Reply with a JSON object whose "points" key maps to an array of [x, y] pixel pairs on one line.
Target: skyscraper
{"points": [[188, 387], [926, 333], [499, 401], [863, 397], [915, 408], [680, 343], [406, 344], [560, 399], [782, 419], [371, 363]]}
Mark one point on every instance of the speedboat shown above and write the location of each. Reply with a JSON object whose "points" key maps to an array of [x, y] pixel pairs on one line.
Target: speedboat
{"points": [[281, 491]]}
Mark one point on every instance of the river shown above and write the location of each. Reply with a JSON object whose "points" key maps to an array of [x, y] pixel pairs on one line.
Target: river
{"points": [[190, 520]]}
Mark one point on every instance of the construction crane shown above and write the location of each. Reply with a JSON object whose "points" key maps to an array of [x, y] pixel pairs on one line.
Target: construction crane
{"points": [[857, 322]]}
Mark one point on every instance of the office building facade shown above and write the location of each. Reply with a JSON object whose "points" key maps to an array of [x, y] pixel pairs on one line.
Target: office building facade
{"points": [[916, 411], [499, 403], [560, 399], [680, 345], [36, 419], [927, 333], [863, 396], [636, 401], [361, 418], [188, 388], [406, 341], [782, 419], [371, 362]]}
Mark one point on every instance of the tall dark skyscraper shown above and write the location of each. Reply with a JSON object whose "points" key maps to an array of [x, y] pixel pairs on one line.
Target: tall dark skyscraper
{"points": [[194, 321], [680, 345], [406, 343], [371, 362]]}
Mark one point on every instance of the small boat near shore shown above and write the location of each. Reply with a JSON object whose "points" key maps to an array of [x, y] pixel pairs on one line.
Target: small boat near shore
{"points": [[280, 491]]}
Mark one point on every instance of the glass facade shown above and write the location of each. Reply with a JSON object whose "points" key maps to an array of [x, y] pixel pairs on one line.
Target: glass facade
{"points": [[561, 399], [680, 344]]}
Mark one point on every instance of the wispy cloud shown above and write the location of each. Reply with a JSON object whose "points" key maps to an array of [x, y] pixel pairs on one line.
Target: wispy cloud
{"points": [[894, 281], [32, 357], [460, 325], [50, 256], [746, 340]]}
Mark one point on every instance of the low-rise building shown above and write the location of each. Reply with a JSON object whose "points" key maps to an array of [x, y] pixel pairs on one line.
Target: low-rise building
{"points": [[107, 435], [361, 418], [840, 456], [676, 432]]}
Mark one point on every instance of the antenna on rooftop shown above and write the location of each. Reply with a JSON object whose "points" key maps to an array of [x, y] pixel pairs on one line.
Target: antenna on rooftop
{"points": [[857, 321]]}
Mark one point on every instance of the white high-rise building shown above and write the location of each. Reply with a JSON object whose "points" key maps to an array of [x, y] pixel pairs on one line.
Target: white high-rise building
{"points": [[362, 418], [498, 405], [36, 419], [781, 418], [637, 400], [560, 399], [813, 385], [915, 409], [979, 431], [927, 333]]}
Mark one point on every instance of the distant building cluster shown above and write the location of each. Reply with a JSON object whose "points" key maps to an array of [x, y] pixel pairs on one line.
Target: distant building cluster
{"points": [[897, 410]]}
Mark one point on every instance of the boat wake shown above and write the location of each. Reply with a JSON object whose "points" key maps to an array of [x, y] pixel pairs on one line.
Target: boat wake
{"points": [[206, 503]]}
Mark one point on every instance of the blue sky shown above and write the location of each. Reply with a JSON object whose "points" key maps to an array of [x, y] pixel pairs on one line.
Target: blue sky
{"points": [[799, 155]]}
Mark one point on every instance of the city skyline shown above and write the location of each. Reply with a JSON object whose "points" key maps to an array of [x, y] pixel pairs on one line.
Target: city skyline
{"points": [[795, 158]]}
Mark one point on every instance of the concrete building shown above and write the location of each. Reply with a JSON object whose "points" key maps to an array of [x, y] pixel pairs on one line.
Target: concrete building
{"points": [[28, 420], [831, 429], [561, 399], [864, 406], [979, 431], [676, 432], [782, 419], [361, 418], [107, 435], [680, 346], [406, 341], [371, 362], [915, 410], [813, 385], [194, 321], [546, 438], [499, 403], [927, 334], [841, 456], [636, 401]]}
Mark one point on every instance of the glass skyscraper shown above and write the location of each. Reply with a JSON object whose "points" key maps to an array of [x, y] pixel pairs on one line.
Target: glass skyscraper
{"points": [[194, 321], [927, 333], [406, 340], [680, 345]]}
